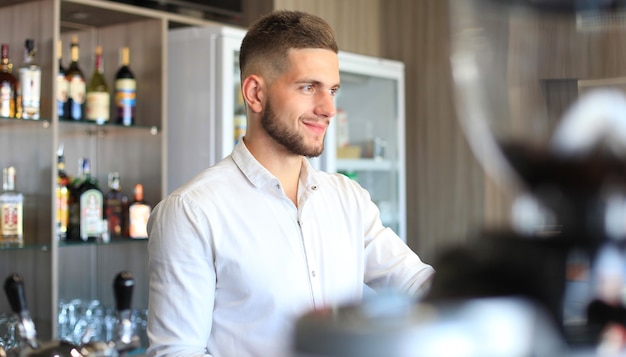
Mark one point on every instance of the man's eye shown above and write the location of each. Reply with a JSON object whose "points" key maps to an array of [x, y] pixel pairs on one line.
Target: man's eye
{"points": [[334, 91], [307, 88]]}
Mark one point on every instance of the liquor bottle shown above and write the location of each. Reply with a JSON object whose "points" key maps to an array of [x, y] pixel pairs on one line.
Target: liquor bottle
{"points": [[138, 214], [125, 91], [91, 203], [75, 106], [8, 84], [98, 97], [115, 206], [63, 86], [63, 195], [86, 206], [73, 227], [11, 209], [30, 83]]}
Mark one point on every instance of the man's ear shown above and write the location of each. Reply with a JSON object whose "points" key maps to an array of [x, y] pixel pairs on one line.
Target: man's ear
{"points": [[253, 92]]}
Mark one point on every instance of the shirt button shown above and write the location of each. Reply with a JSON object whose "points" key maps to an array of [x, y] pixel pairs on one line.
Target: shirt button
{"points": [[313, 273], [314, 187]]}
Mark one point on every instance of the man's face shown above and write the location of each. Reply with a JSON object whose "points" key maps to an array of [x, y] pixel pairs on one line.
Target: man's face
{"points": [[301, 101]]}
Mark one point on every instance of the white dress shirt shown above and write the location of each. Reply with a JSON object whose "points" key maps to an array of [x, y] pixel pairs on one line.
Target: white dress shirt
{"points": [[234, 263]]}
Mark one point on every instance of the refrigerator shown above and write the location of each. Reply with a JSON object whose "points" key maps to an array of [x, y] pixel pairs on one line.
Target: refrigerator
{"points": [[365, 140]]}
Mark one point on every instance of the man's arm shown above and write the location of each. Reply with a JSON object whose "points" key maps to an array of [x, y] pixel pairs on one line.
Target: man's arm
{"points": [[182, 280]]}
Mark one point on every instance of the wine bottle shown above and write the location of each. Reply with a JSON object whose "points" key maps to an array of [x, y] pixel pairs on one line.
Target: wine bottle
{"points": [[63, 85], [62, 195], [138, 214], [8, 84], [11, 209], [115, 206], [125, 91], [98, 97], [75, 106], [30, 83]]}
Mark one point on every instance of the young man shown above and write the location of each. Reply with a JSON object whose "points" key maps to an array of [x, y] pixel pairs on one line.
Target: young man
{"points": [[246, 247]]}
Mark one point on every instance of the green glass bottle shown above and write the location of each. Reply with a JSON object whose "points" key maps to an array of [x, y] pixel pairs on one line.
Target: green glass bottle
{"points": [[98, 97]]}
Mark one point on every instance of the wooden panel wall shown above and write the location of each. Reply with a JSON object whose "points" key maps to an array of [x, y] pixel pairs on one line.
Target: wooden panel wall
{"points": [[356, 22], [445, 185]]}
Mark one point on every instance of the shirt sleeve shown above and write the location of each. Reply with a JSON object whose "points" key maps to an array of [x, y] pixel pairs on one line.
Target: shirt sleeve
{"points": [[182, 280], [390, 264]]}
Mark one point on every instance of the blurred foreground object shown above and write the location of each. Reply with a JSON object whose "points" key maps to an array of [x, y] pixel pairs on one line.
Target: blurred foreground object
{"points": [[392, 326], [540, 94], [539, 87]]}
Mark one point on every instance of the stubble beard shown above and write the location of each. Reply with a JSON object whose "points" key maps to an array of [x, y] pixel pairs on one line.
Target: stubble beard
{"points": [[290, 140]]}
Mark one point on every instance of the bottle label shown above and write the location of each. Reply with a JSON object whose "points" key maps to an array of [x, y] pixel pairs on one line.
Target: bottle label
{"points": [[98, 106], [63, 213], [77, 89], [125, 99], [114, 212], [138, 215], [63, 88], [91, 214], [11, 223], [6, 99], [128, 85], [30, 88]]}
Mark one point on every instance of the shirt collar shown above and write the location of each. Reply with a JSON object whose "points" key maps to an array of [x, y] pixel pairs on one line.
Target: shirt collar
{"points": [[259, 176]]}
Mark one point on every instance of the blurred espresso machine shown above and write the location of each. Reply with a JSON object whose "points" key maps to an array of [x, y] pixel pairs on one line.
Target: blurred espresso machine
{"points": [[540, 92]]}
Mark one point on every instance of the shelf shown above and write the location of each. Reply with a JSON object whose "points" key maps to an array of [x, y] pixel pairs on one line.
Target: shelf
{"points": [[364, 165], [115, 240], [24, 247], [90, 128], [4, 121]]}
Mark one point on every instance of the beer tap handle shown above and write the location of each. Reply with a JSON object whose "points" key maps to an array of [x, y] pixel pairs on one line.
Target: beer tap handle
{"points": [[14, 289], [123, 290]]}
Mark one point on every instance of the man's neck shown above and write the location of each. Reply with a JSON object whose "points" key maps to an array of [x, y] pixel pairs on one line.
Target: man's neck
{"points": [[285, 166]]}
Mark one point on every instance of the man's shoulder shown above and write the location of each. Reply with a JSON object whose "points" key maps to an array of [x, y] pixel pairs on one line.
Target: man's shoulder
{"points": [[221, 175]]}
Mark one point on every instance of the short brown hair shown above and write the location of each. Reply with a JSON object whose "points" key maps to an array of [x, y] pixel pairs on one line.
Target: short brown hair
{"points": [[269, 39]]}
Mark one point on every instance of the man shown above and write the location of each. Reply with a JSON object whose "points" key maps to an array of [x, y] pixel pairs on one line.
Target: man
{"points": [[242, 250]]}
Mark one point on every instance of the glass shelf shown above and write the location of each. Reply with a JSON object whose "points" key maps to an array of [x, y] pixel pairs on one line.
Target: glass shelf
{"points": [[69, 126], [113, 241], [4, 121], [24, 247]]}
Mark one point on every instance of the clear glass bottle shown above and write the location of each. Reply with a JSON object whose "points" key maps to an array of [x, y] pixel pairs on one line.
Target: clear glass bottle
{"points": [[138, 214], [11, 209], [125, 91], [75, 106], [8, 84], [30, 83], [98, 97], [115, 206]]}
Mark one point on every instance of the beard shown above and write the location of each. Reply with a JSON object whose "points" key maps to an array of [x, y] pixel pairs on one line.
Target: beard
{"points": [[291, 140]]}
